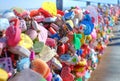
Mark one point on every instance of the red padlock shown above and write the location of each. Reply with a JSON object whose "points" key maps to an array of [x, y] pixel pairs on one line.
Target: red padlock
{"points": [[61, 49], [44, 12], [60, 12], [52, 31]]}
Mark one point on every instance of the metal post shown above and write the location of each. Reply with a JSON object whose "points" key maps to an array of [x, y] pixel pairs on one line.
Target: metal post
{"points": [[118, 2], [59, 4], [87, 3]]}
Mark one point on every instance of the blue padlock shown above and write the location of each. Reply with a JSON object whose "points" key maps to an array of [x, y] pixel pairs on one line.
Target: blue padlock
{"points": [[69, 15], [79, 52], [23, 64], [65, 57], [55, 36], [56, 77]]}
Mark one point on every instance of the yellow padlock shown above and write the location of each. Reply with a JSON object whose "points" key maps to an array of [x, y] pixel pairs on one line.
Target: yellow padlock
{"points": [[26, 41], [3, 75], [50, 7]]}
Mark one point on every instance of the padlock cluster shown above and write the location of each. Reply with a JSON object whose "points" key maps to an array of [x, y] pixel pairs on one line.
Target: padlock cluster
{"points": [[39, 45]]}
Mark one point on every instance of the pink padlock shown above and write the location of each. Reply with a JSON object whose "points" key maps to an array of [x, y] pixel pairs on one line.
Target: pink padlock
{"points": [[50, 42], [1, 47], [54, 26]]}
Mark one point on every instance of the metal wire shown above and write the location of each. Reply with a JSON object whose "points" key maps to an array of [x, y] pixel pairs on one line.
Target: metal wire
{"points": [[94, 2]]}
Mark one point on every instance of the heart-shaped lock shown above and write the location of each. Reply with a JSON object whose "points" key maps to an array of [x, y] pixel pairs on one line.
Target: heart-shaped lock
{"points": [[66, 74]]}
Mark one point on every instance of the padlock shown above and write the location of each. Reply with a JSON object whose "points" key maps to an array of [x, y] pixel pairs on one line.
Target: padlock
{"points": [[66, 74], [44, 12], [50, 19], [39, 18], [50, 42], [27, 75], [6, 64], [32, 33], [70, 25], [13, 34], [15, 22], [56, 63], [43, 34], [3, 75], [54, 26], [32, 55], [23, 26], [40, 67], [20, 50], [34, 13], [61, 49], [52, 31], [60, 12], [69, 15], [56, 35], [35, 25], [1, 47], [56, 77], [23, 63]]}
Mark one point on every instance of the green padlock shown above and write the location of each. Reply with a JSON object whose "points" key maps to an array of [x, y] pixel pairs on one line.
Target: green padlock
{"points": [[38, 46], [79, 79], [76, 41]]}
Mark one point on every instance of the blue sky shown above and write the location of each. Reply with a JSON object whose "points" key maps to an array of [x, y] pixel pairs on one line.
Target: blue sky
{"points": [[7, 4]]}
